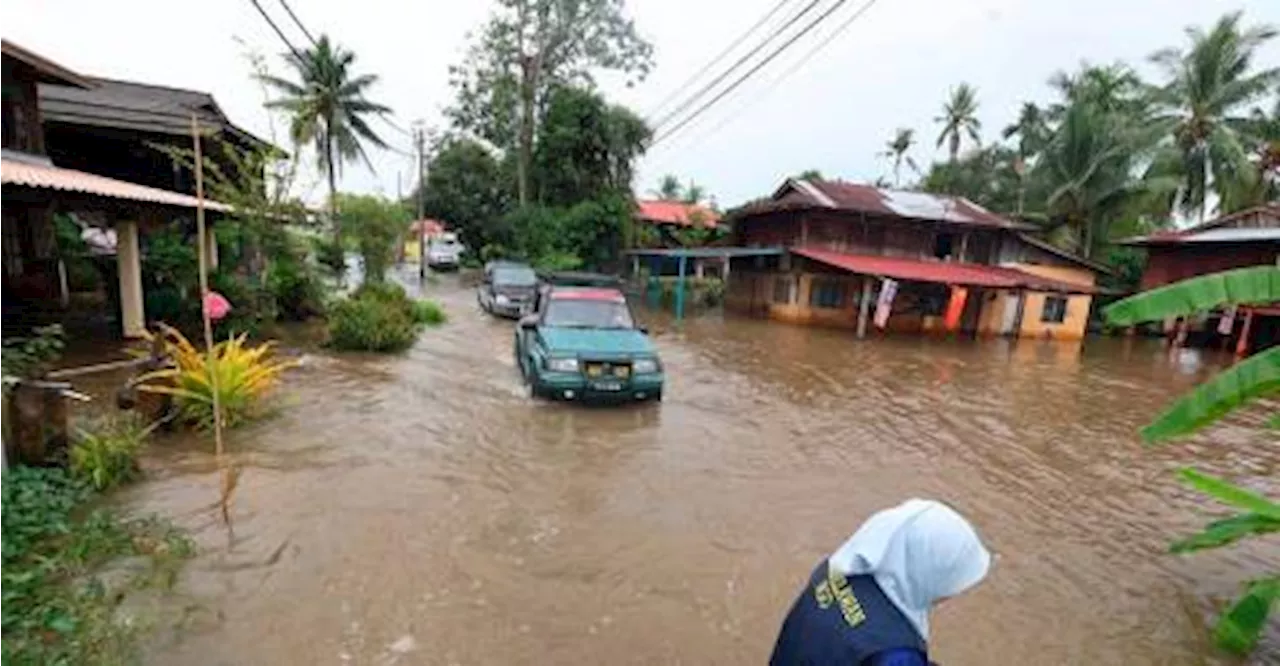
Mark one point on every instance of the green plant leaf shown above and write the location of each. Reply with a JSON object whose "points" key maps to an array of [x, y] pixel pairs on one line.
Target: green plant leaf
{"points": [[1252, 378], [1257, 284], [1228, 530], [1229, 493], [1238, 629]]}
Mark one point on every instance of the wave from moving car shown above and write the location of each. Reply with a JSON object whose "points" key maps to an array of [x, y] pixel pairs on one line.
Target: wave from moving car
{"points": [[582, 344], [507, 289]]}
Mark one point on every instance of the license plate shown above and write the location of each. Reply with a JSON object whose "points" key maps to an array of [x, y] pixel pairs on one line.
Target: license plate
{"points": [[607, 386]]}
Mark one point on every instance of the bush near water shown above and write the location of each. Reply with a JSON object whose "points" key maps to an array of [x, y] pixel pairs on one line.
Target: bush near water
{"points": [[380, 317]]}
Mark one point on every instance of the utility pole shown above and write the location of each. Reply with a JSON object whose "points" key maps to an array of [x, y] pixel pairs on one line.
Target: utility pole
{"points": [[419, 138]]}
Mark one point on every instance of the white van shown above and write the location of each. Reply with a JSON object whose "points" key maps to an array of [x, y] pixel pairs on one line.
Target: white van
{"points": [[444, 251]]}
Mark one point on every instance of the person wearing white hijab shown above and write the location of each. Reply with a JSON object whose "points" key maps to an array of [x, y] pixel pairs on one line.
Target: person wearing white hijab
{"points": [[868, 604]]}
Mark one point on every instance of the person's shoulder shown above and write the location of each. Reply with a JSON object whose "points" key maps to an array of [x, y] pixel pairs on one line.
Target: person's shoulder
{"points": [[898, 657]]}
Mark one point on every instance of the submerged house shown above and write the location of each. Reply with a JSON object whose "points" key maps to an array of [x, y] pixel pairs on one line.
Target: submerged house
{"points": [[859, 256], [84, 146], [1246, 238]]}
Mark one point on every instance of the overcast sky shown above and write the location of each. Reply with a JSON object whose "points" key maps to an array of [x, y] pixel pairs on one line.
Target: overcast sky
{"points": [[890, 68]]}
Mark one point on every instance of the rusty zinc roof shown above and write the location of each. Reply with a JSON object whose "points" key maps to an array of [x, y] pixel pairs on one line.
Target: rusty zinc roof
{"points": [[29, 173], [941, 272], [798, 194]]}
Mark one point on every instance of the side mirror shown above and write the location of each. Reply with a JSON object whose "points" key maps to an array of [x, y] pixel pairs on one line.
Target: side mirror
{"points": [[529, 322]]}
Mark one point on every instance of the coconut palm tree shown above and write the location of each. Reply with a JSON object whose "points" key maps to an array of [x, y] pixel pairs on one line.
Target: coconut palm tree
{"points": [[328, 109], [1209, 90], [669, 188], [959, 117], [896, 150], [1032, 129]]}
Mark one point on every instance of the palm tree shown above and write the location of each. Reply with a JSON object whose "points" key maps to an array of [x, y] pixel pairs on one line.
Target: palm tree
{"points": [[1031, 129], [328, 108], [959, 117], [1209, 89], [694, 193], [896, 150]]}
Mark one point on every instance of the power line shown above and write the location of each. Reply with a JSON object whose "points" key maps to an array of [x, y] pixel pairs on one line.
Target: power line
{"points": [[279, 33], [394, 125], [719, 56], [716, 81], [773, 84], [753, 70], [301, 27]]}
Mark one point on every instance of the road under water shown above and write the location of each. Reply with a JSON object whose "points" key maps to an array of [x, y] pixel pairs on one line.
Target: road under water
{"points": [[420, 509]]}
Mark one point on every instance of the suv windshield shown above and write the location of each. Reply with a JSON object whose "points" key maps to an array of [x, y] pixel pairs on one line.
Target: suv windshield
{"points": [[582, 313], [514, 276]]}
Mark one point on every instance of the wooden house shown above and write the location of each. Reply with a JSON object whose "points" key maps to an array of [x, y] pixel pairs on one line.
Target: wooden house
{"points": [[939, 255], [1246, 238]]}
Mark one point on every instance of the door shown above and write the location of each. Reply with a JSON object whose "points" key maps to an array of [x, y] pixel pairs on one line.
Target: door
{"points": [[1009, 320]]}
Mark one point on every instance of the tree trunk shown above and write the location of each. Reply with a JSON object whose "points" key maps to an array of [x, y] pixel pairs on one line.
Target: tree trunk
{"points": [[333, 191], [524, 157]]}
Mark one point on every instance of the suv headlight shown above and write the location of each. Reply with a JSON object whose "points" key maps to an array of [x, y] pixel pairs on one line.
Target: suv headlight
{"points": [[645, 365], [562, 364], [502, 299]]}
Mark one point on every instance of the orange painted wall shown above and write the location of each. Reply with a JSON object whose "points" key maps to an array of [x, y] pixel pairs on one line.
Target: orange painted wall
{"points": [[1076, 321]]}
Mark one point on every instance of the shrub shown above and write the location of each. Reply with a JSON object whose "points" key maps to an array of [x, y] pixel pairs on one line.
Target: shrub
{"points": [[331, 255], [104, 454], [51, 540], [370, 323], [429, 313], [245, 375], [252, 303], [298, 291]]}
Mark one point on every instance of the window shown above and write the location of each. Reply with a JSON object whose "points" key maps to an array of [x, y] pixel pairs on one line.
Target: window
{"points": [[1054, 310], [587, 313], [783, 287], [943, 245], [826, 294]]}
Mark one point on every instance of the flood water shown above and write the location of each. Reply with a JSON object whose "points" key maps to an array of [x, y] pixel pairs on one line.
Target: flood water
{"points": [[421, 510]]}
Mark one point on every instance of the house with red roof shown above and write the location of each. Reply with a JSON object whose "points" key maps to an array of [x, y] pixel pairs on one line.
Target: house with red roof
{"points": [[1245, 238], [859, 256]]}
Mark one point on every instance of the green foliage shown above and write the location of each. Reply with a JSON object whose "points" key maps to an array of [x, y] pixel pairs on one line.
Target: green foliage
{"points": [[378, 224], [959, 119], [104, 452], [1254, 285], [295, 284], [468, 188], [28, 356], [253, 305], [429, 313], [987, 177], [1238, 629], [170, 276], [331, 254], [896, 150], [54, 540], [586, 148], [588, 234], [699, 292]]}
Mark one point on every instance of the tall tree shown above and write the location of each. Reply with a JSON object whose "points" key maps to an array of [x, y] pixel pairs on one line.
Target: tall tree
{"points": [[959, 118], [587, 148], [526, 50], [468, 188], [1206, 98], [328, 108], [1031, 128], [669, 188], [694, 193], [1262, 184], [896, 150]]}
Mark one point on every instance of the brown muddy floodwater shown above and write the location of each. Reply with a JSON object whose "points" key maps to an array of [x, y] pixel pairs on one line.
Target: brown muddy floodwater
{"points": [[420, 510]]}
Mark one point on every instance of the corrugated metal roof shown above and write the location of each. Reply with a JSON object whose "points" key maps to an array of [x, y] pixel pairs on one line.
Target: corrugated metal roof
{"points": [[918, 270], [50, 71], [676, 212], [136, 106], [26, 174], [1228, 235], [1257, 219], [851, 197]]}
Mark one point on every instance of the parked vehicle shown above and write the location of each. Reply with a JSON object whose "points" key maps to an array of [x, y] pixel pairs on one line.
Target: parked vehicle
{"points": [[507, 289], [582, 344], [444, 252]]}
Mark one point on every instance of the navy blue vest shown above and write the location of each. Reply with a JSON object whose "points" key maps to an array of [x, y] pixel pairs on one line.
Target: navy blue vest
{"points": [[842, 620]]}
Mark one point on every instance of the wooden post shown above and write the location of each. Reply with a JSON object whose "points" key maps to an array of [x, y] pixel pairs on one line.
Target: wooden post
{"points": [[864, 306], [1242, 345], [680, 289]]}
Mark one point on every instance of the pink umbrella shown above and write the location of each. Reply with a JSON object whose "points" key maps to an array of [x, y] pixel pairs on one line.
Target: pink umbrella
{"points": [[216, 306]]}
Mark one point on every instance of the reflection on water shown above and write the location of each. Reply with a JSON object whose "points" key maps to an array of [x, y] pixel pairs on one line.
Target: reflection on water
{"points": [[420, 509]]}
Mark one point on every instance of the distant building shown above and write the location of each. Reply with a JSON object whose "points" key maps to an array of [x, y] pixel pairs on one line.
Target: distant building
{"points": [[1246, 238], [951, 265]]}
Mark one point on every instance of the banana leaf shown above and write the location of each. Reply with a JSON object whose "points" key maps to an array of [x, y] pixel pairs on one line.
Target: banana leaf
{"points": [[1228, 530], [1238, 629], [1252, 378], [1246, 286], [1229, 493]]}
